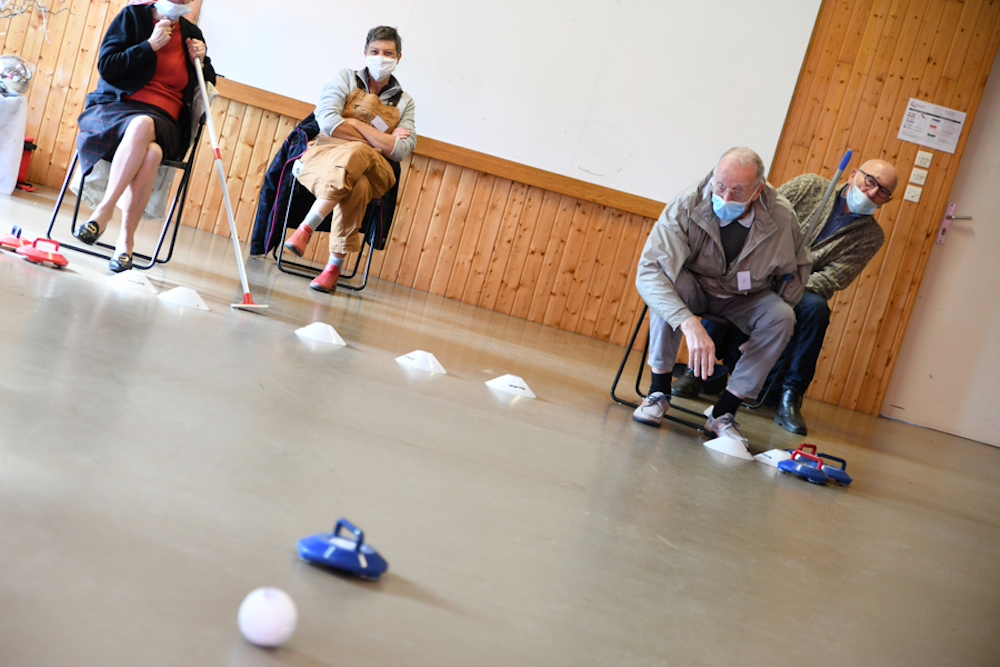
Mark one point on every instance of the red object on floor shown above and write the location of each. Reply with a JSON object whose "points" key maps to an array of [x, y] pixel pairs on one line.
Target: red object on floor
{"points": [[29, 146], [34, 254]]}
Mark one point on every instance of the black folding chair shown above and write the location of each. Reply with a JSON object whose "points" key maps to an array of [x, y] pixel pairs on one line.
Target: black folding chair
{"points": [[642, 364], [310, 270], [173, 216]]}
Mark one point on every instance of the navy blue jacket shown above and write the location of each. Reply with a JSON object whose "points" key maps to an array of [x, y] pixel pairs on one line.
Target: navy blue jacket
{"points": [[274, 192], [126, 61]]}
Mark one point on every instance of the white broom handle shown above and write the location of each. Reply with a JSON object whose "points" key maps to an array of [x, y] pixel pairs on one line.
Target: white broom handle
{"points": [[818, 213], [222, 175]]}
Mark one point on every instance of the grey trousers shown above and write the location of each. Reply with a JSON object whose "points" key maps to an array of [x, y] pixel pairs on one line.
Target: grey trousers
{"points": [[763, 316]]}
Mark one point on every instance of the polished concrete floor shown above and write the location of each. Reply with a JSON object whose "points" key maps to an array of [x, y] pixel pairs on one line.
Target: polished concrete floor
{"points": [[157, 463]]}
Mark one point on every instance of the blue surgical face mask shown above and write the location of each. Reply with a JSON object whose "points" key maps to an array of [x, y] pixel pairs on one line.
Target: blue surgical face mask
{"points": [[171, 10], [858, 202], [727, 210]]}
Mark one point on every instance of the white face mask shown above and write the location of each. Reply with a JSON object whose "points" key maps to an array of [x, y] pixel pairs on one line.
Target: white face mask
{"points": [[171, 10], [380, 67]]}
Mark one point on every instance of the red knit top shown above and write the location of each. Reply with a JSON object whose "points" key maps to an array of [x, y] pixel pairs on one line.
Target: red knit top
{"points": [[166, 88]]}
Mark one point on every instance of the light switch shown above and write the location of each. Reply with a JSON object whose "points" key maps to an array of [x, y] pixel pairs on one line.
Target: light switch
{"points": [[918, 176], [913, 193], [923, 159]]}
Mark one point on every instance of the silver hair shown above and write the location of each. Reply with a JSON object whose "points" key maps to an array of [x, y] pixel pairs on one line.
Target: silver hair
{"points": [[746, 157]]}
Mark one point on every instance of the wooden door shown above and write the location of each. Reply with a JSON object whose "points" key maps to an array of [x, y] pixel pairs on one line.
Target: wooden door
{"points": [[867, 58]]}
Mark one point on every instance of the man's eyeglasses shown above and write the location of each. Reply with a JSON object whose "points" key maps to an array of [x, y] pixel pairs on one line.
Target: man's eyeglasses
{"points": [[883, 192], [738, 194]]}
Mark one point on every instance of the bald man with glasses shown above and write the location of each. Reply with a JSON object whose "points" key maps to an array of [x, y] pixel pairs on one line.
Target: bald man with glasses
{"points": [[841, 247], [727, 246]]}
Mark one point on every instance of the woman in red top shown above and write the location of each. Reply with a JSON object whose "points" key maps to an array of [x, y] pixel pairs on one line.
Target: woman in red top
{"points": [[140, 111]]}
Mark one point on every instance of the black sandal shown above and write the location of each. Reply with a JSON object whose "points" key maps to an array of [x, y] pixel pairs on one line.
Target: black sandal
{"points": [[119, 263], [88, 233]]}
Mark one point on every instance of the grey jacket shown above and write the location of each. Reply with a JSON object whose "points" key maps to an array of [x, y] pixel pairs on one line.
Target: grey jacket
{"points": [[686, 237], [331, 106], [839, 258]]}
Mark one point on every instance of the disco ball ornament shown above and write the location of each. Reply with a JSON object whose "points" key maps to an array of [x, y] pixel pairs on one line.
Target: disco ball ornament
{"points": [[15, 74]]}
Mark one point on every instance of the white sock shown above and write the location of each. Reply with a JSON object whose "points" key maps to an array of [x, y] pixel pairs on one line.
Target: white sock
{"points": [[336, 261], [312, 220]]}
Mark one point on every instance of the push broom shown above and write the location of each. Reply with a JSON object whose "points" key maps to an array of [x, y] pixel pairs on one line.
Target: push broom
{"points": [[247, 303], [818, 213]]}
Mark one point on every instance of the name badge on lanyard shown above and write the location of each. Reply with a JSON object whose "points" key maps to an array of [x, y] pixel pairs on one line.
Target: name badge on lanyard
{"points": [[743, 281]]}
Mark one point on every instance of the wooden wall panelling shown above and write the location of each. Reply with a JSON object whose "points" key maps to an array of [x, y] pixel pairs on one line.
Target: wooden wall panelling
{"points": [[437, 228], [520, 248], [240, 170], [458, 219], [423, 213], [54, 95], [462, 266], [599, 289], [567, 263], [262, 147], [803, 96], [618, 317], [483, 253], [201, 172], [904, 287], [983, 45], [503, 246], [903, 223], [583, 269], [83, 80], [395, 247], [894, 53], [552, 255], [938, 50], [537, 243], [46, 58], [214, 217]]}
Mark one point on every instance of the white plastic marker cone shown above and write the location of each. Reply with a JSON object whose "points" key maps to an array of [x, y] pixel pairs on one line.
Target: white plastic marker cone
{"points": [[321, 332], [184, 296], [133, 279], [247, 303], [512, 385], [728, 446], [424, 361], [772, 457]]}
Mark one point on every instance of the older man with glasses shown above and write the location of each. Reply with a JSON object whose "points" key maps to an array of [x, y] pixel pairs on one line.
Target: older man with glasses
{"points": [[841, 248], [727, 246]]}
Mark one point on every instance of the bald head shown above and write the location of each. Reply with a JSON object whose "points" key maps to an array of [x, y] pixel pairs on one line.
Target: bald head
{"points": [[883, 172], [744, 159]]}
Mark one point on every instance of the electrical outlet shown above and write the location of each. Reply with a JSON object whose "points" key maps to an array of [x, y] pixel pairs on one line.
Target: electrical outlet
{"points": [[913, 193], [923, 159], [918, 176]]}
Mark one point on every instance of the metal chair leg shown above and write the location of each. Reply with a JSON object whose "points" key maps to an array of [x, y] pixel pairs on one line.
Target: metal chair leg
{"points": [[309, 271], [642, 360]]}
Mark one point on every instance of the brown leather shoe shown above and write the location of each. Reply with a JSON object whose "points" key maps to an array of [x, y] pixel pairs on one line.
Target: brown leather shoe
{"points": [[326, 281], [296, 243]]}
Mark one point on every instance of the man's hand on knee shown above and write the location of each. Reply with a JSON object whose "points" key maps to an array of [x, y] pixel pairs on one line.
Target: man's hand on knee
{"points": [[701, 348]]}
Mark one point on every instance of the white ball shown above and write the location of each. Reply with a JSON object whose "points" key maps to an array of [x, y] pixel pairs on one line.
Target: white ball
{"points": [[267, 617]]}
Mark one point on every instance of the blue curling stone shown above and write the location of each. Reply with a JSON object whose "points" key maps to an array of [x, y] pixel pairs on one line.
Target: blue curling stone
{"points": [[343, 553], [808, 470], [838, 475]]}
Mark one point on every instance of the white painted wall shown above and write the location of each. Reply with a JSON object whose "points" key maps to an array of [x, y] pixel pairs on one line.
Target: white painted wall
{"points": [[946, 375], [637, 95]]}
